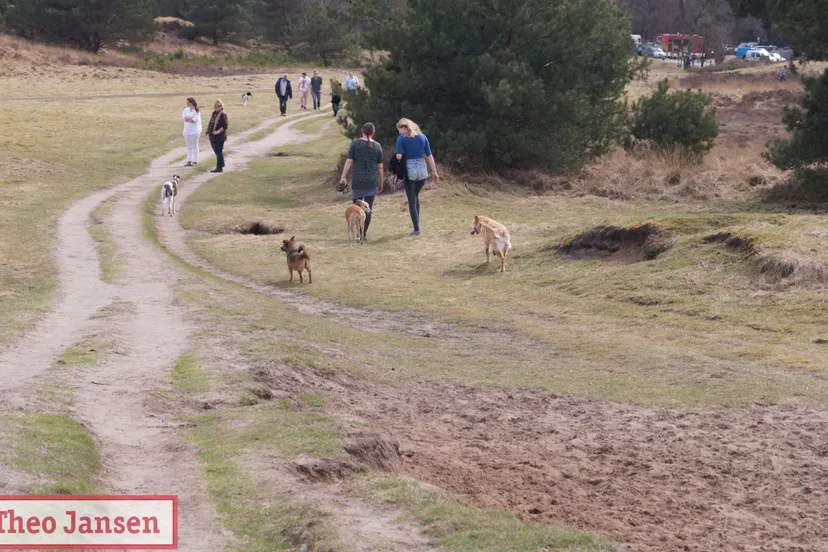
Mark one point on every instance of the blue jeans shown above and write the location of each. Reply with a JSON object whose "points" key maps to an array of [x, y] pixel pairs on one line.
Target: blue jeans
{"points": [[317, 98]]}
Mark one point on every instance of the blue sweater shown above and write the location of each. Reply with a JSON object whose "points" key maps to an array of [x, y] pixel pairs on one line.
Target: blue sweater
{"points": [[415, 147]]}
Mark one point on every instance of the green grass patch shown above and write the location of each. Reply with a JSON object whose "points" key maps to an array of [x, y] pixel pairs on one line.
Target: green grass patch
{"points": [[189, 375], [111, 261], [55, 449], [461, 528], [114, 309], [264, 519], [83, 355], [694, 326]]}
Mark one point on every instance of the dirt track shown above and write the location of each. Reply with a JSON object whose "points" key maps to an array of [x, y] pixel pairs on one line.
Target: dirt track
{"points": [[651, 479]]}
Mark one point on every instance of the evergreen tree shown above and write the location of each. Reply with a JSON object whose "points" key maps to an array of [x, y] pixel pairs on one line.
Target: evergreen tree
{"points": [[220, 20], [805, 22], [683, 119], [319, 32], [88, 24], [500, 83]]}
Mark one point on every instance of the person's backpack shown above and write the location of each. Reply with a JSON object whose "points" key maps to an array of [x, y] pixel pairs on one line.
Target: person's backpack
{"points": [[398, 167]]}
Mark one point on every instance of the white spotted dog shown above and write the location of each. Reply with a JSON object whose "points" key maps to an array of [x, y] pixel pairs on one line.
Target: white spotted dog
{"points": [[168, 192], [245, 96]]}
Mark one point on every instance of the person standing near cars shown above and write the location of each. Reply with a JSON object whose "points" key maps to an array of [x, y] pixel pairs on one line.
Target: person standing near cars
{"points": [[284, 92], [304, 90], [365, 157], [783, 74], [415, 146], [192, 130], [316, 90], [217, 132]]}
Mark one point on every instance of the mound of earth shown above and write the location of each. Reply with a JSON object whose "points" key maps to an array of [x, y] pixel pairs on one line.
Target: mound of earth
{"points": [[619, 244]]}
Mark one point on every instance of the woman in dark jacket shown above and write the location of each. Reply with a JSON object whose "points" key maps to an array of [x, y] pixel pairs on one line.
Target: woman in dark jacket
{"points": [[217, 132], [365, 158]]}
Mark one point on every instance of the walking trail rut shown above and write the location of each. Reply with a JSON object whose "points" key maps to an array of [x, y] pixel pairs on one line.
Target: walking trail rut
{"points": [[118, 400]]}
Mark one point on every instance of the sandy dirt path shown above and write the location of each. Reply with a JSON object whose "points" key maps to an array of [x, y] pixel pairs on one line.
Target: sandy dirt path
{"points": [[121, 400]]}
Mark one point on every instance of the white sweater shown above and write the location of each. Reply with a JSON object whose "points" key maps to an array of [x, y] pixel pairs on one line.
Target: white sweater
{"points": [[191, 128]]}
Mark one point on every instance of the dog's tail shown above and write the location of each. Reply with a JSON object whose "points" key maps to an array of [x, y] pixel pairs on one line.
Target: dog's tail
{"points": [[304, 251]]}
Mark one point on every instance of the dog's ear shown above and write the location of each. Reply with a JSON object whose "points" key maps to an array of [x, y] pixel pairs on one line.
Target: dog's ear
{"points": [[476, 219], [292, 238]]}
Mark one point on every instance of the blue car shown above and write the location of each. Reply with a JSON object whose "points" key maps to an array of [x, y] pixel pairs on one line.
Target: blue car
{"points": [[744, 48]]}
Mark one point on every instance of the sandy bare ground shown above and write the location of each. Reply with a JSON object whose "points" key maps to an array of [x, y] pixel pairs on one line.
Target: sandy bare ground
{"points": [[652, 479], [119, 401]]}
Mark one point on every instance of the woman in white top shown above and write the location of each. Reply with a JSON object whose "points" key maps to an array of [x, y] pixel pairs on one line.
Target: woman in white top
{"points": [[192, 130]]}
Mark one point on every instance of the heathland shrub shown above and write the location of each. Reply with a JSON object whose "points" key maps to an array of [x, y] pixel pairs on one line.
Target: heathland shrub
{"points": [[806, 150], [685, 120], [496, 85]]}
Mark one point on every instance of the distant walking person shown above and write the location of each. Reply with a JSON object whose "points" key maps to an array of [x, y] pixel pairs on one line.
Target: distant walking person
{"points": [[192, 130], [316, 90], [783, 74], [415, 146], [351, 83], [304, 90], [284, 92], [217, 131], [365, 157]]}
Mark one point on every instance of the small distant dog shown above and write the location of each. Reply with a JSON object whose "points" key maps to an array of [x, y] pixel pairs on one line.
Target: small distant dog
{"points": [[168, 192], [495, 237], [245, 96], [297, 258], [355, 217]]}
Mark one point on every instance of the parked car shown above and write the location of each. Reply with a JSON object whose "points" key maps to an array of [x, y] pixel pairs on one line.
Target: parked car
{"points": [[655, 52], [757, 54], [743, 48]]}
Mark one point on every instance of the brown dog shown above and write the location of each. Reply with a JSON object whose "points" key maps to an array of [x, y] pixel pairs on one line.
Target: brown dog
{"points": [[495, 237], [355, 217], [297, 258]]}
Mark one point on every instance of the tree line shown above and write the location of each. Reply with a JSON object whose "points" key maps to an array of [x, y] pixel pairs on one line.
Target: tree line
{"points": [[309, 29]]}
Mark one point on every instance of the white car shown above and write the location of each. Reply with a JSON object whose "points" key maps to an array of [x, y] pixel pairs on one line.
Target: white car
{"points": [[757, 54], [776, 58]]}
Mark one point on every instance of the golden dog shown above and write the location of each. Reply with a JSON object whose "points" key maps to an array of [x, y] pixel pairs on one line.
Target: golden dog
{"points": [[355, 216], [297, 258], [495, 237]]}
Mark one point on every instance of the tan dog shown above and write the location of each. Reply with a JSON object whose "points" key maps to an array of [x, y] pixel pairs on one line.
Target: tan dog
{"points": [[297, 258], [495, 237], [355, 216]]}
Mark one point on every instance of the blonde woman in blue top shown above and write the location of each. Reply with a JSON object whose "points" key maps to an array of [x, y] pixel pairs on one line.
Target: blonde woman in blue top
{"points": [[415, 146]]}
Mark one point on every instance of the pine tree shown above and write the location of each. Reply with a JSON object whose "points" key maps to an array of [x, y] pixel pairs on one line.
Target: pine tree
{"points": [[500, 83], [88, 24], [221, 20]]}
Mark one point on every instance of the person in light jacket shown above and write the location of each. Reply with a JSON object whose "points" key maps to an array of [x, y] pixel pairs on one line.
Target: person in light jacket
{"points": [[304, 90], [192, 130]]}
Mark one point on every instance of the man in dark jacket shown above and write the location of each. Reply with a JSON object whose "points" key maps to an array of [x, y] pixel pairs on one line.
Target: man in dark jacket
{"points": [[316, 90], [284, 92]]}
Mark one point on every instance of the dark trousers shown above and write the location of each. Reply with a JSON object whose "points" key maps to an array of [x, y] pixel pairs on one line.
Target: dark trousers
{"points": [[370, 201], [218, 148], [335, 107], [283, 104], [317, 98], [412, 192]]}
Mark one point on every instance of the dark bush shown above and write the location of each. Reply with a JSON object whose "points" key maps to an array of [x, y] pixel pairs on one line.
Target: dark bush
{"points": [[685, 120]]}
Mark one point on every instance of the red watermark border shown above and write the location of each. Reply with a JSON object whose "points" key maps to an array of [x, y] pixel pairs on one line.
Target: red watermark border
{"points": [[170, 498]]}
